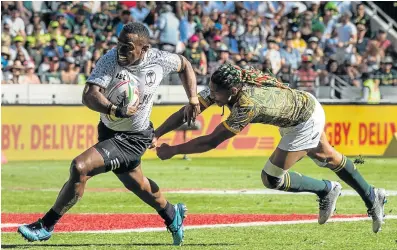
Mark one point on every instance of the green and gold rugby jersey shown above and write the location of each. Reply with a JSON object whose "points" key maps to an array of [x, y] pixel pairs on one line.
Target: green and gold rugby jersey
{"points": [[267, 105]]}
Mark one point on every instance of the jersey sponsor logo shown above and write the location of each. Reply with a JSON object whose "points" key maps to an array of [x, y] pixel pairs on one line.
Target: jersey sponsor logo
{"points": [[150, 78], [121, 76]]}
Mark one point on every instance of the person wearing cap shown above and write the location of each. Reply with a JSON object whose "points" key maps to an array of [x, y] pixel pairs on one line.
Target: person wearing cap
{"points": [[290, 55], [223, 57], [386, 75], [85, 37], [212, 52], [53, 49], [56, 32], [30, 76], [37, 39], [273, 54], [297, 41], [330, 18], [314, 8], [52, 76], [17, 70], [196, 56], [18, 46], [69, 74], [306, 26], [347, 33], [317, 52], [83, 56], [306, 77]]}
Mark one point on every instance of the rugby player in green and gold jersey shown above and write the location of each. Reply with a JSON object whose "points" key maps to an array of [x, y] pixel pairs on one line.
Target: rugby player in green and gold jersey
{"points": [[255, 97]]}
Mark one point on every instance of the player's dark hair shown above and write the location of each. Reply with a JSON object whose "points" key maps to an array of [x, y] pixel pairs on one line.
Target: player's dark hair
{"points": [[228, 76], [137, 28]]}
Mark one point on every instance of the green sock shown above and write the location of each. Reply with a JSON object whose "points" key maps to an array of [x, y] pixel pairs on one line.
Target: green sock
{"points": [[348, 172], [296, 182]]}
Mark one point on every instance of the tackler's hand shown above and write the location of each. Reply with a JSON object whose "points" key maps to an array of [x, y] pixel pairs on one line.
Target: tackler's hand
{"points": [[191, 111], [165, 151]]}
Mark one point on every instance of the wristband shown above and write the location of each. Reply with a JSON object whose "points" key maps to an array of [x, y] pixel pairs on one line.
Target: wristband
{"points": [[194, 100]]}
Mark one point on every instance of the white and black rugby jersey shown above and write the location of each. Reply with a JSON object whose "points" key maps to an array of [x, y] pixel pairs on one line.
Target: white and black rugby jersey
{"points": [[147, 76]]}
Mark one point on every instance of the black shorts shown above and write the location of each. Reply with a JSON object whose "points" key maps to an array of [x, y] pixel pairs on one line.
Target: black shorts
{"points": [[122, 151]]}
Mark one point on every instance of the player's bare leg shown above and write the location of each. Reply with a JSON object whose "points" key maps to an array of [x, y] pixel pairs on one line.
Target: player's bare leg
{"points": [[275, 175], [149, 192], [82, 168], [326, 156]]}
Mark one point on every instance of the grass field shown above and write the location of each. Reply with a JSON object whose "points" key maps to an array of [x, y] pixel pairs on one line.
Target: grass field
{"points": [[30, 188]]}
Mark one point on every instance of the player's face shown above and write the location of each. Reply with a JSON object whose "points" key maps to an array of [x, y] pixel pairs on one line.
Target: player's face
{"points": [[219, 95], [130, 49]]}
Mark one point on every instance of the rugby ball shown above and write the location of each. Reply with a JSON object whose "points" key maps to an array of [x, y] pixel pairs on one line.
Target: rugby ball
{"points": [[121, 90]]}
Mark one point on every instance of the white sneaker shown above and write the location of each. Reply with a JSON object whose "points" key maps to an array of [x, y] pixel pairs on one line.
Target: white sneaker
{"points": [[327, 203], [377, 212]]}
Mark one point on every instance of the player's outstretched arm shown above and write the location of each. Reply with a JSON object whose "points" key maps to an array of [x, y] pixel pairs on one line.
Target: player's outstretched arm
{"points": [[198, 145]]}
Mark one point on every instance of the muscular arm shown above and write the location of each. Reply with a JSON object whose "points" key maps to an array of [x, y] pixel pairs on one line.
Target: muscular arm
{"points": [[198, 145], [188, 78], [94, 99]]}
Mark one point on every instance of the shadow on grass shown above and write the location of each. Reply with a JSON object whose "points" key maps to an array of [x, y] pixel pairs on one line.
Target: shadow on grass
{"points": [[4, 246]]}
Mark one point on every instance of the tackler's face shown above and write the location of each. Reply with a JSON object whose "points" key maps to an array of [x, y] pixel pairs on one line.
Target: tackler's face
{"points": [[221, 96], [130, 49]]}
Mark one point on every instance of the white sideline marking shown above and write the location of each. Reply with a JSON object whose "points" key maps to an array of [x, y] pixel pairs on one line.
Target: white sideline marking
{"points": [[222, 191], [244, 224]]}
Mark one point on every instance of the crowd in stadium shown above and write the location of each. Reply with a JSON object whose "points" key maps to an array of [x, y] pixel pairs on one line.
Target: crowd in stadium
{"points": [[299, 42]]}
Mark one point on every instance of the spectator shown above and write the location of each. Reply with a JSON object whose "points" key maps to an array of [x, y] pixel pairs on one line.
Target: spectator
{"points": [[372, 56], [125, 18], [95, 57], [63, 20], [36, 20], [290, 55], [112, 43], [371, 92], [30, 77], [279, 35], [362, 40], [347, 33], [67, 33], [100, 20], [17, 72], [196, 56], [67, 52], [285, 75], [224, 6], [314, 8], [169, 34], [268, 25], [6, 34], [251, 36], [5, 56], [82, 56], [231, 39], [294, 16], [306, 76], [53, 49], [81, 19], [139, 12], [187, 26], [223, 58], [350, 74], [306, 26], [100, 44], [38, 38], [331, 44], [52, 76], [18, 47], [362, 18], [386, 76], [316, 52], [57, 33], [297, 41], [382, 41], [330, 70], [17, 25], [84, 37], [212, 52], [266, 66], [330, 18], [273, 55], [70, 74]]}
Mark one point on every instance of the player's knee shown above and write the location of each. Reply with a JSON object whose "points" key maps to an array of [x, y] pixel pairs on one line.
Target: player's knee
{"points": [[272, 176], [271, 182], [78, 169]]}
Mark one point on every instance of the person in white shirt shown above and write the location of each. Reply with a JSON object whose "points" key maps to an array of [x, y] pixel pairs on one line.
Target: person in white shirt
{"points": [[124, 138], [347, 33], [16, 23]]}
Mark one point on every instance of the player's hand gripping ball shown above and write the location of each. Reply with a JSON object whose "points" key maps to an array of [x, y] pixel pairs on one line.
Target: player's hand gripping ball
{"points": [[126, 97]]}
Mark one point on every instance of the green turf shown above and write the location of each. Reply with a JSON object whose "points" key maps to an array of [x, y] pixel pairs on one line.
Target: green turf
{"points": [[341, 236], [22, 181]]}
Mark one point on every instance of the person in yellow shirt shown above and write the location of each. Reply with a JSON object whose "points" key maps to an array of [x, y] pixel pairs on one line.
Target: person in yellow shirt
{"points": [[297, 42]]}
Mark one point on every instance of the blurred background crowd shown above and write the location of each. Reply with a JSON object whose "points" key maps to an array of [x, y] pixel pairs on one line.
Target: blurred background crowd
{"points": [[304, 44]]}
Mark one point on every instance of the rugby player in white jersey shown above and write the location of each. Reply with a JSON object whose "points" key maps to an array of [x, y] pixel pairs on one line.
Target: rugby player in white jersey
{"points": [[121, 143]]}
